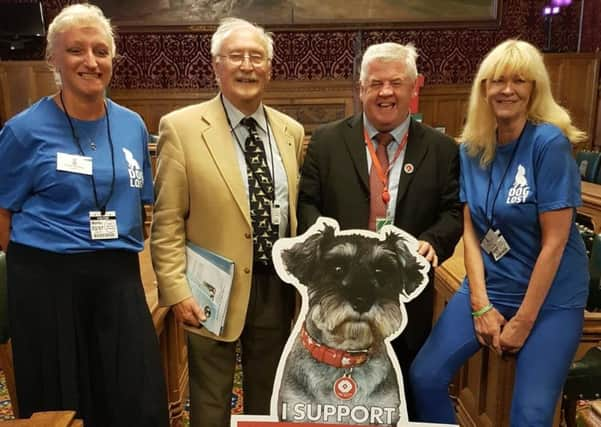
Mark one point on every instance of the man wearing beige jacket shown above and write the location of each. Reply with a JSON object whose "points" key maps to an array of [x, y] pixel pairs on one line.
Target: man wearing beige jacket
{"points": [[226, 181]]}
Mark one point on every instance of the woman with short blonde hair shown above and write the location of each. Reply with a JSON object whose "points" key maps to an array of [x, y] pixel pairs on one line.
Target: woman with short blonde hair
{"points": [[74, 178]]}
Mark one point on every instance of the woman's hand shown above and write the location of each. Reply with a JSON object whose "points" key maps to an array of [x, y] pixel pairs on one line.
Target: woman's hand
{"points": [[555, 229], [488, 329], [515, 333]]}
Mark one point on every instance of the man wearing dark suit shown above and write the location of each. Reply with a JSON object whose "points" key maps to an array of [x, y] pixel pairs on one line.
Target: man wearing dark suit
{"points": [[420, 185]]}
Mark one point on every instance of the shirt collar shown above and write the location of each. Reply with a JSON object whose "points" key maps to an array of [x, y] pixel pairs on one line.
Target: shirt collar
{"points": [[236, 115], [397, 133]]}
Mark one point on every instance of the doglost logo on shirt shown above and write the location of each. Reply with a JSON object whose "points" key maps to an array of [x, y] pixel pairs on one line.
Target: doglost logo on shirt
{"points": [[520, 189], [136, 176]]}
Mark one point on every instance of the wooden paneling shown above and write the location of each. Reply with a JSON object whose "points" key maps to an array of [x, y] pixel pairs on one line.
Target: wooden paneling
{"points": [[21, 84], [574, 82], [591, 200], [153, 104], [445, 106], [311, 103]]}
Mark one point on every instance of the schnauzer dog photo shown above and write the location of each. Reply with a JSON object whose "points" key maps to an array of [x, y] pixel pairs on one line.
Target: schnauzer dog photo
{"points": [[338, 365]]}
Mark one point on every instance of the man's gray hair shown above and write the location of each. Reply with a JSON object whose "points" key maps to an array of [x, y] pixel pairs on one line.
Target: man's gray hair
{"points": [[390, 52], [228, 25]]}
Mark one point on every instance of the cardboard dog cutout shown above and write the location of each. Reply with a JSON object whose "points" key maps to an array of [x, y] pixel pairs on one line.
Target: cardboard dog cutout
{"points": [[338, 366]]}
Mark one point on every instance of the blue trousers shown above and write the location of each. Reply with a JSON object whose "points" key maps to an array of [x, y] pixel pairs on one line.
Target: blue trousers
{"points": [[541, 365]]}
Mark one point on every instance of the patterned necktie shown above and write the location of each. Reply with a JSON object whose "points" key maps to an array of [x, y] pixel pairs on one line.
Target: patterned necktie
{"points": [[377, 207], [260, 193]]}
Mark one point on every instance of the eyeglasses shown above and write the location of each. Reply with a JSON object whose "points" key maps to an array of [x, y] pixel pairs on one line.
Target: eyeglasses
{"points": [[237, 58]]}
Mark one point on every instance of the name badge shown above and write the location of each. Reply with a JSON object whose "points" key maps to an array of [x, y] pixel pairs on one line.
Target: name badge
{"points": [[495, 244], [381, 222], [74, 163], [276, 213], [103, 226]]}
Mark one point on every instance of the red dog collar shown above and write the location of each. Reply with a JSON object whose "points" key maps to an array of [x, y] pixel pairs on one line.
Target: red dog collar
{"points": [[331, 356]]}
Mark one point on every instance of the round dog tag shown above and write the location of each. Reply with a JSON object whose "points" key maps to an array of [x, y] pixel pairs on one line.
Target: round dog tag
{"points": [[345, 387]]}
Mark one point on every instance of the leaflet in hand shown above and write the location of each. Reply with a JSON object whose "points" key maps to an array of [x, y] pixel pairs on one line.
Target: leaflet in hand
{"points": [[210, 277]]}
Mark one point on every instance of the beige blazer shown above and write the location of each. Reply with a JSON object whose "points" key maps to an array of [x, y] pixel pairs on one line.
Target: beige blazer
{"points": [[200, 196]]}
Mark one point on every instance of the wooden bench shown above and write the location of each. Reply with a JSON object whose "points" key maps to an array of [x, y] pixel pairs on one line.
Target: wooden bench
{"points": [[47, 419]]}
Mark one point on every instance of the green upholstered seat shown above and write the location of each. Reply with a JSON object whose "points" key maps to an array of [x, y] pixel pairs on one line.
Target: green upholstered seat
{"points": [[588, 236], [598, 177], [588, 164], [594, 297], [584, 377]]}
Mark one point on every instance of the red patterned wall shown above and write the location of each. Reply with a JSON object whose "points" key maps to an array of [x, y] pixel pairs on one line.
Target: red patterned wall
{"points": [[447, 56]]}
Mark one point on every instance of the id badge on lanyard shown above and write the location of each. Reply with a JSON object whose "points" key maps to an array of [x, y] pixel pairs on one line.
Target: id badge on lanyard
{"points": [[381, 222], [103, 226], [383, 174], [276, 213], [495, 244]]}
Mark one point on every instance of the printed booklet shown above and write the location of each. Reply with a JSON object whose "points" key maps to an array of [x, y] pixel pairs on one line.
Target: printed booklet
{"points": [[210, 276]]}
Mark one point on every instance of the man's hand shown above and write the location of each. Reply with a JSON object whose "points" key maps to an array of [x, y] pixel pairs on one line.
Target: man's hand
{"points": [[426, 250], [188, 312]]}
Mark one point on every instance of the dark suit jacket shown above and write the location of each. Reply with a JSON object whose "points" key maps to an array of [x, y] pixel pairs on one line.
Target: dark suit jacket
{"points": [[335, 183]]}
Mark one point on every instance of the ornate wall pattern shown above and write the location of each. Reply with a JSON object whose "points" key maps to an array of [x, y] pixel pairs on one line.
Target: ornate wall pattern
{"points": [[447, 56]]}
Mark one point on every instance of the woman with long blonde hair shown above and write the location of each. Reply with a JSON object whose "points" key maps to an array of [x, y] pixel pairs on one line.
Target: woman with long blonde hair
{"points": [[527, 276]]}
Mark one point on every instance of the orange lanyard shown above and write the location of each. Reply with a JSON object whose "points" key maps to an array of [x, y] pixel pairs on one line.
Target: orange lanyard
{"points": [[375, 162]]}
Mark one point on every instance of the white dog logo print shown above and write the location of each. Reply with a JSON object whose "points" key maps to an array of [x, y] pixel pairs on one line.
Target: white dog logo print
{"points": [[520, 189], [136, 176]]}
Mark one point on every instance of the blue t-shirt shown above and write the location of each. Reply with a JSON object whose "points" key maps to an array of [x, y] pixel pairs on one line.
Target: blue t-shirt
{"points": [[50, 208], [542, 176]]}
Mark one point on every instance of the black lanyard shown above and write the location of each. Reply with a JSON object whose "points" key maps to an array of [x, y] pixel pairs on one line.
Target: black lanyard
{"points": [[101, 208], [492, 208], [258, 181]]}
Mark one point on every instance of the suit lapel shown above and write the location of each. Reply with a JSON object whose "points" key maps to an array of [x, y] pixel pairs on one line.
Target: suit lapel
{"points": [[353, 139], [285, 143], [414, 155], [218, 140]]}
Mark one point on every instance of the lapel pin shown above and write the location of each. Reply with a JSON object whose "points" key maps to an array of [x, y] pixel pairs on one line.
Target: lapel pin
{"points": [[408, 168]]}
